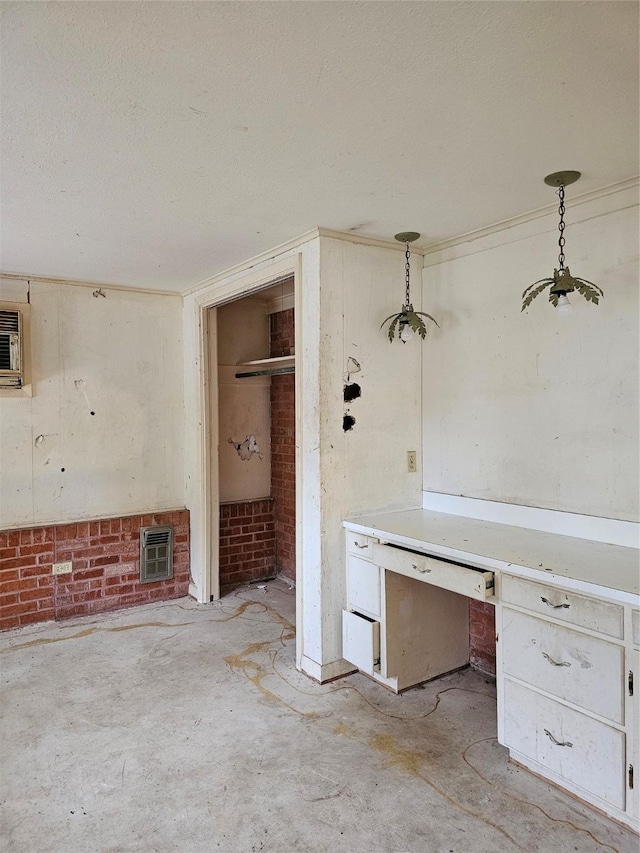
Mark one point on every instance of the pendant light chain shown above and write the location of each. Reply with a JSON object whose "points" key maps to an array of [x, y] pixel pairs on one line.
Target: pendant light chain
{"points": [[407, 298], [561, 228], [562, 282]]}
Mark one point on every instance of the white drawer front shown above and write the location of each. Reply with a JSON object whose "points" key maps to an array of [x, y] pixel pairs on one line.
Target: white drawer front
{"points": [[473, 583], [359, 544], [361, 642], [363, 586], [567, 606], [635, 627], [581, 669], [582, 750]]}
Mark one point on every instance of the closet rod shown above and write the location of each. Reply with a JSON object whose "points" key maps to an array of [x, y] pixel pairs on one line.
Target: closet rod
{"points": [[274, 371]]}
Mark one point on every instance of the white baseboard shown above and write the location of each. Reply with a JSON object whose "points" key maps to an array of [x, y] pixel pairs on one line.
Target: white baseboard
{"points": [[325, 672], [610, 530]]}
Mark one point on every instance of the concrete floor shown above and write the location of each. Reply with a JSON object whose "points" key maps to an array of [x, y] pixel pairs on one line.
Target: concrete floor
{"points": [[181, 728]]}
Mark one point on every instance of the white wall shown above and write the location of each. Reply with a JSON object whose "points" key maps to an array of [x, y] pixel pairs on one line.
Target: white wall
{"points": [[364, 469], [120, 357], [527, 408], [243, 405]]}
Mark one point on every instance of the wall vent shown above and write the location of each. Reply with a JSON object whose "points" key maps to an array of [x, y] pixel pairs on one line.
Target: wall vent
{"points": [[10, 350], [156, 553]]}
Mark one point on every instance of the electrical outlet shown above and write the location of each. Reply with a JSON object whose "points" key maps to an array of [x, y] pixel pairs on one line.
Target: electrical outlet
{"points": [[62, 568], [412, 463]]}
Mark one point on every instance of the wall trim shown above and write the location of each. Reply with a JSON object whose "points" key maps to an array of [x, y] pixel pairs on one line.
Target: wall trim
{"points": [[246, 267], [532, 215], [378, 242], [72, 282], [609, 530], [327, 672], [272, 254], [74, 518]]}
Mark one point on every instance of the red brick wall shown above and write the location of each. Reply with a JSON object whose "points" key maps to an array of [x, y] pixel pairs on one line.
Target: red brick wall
{"points": [[247, 541], [482, 637], [283, 445], [106, 568]]}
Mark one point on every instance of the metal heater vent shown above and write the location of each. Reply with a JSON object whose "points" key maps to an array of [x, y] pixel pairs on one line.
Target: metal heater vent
{"points": [[156, 553]]}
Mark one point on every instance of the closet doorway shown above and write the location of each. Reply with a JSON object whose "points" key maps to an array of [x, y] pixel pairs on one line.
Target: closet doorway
{"points": [[253, 414]]}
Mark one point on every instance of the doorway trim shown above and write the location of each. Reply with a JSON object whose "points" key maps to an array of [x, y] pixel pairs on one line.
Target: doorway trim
{"points": [[201, 404]]}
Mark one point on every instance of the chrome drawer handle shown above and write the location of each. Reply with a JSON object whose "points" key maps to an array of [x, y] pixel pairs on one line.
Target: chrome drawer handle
{"points": [[552, 661], [557, 742], [555, 606], [424, 571], [358, 545]]}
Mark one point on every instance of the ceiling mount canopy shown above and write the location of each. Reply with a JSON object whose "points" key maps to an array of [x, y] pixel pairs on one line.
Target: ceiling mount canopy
{"points": [[407, 237], [561, 179]]}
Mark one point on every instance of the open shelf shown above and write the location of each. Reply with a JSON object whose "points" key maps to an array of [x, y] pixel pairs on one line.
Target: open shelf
{"points": [[266, 366]]}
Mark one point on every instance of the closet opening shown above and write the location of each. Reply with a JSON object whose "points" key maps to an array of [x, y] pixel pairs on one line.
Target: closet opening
{"points": [[256, 440]]}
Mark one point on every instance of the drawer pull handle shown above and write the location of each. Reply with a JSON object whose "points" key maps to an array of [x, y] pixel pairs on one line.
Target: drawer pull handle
{"points": [[557, 742], [552, 661], [554, 606], [358, 545], [424, 571]]}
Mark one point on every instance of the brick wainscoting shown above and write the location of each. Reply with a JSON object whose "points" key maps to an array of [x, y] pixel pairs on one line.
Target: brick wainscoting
{"points": [[482, 637], [106, 568], [247, 541]]}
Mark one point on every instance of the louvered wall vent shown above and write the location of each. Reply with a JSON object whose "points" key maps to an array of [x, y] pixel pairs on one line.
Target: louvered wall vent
{"points": [[156, 553], [10, 348]]}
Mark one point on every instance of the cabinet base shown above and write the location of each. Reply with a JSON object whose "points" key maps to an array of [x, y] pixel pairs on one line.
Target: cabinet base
{"points": [[625, 820]]}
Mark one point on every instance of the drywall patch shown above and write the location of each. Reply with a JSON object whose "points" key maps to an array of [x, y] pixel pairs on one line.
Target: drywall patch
{"points": [[247, 448], [353, 366]]}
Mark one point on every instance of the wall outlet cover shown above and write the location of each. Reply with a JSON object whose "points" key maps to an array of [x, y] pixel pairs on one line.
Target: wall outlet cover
{"points": [[412, 461], [63, 568]]}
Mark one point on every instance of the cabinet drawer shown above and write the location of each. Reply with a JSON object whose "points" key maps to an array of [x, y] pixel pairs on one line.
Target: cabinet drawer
{"points": [[359, 544], [635, 627], [578, 748], [581, 669], [569, 607], [361, 641], [363, 586], [472, 583]]}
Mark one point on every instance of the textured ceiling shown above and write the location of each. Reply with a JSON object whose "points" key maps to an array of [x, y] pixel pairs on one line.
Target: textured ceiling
{"points": [[155, 144]]}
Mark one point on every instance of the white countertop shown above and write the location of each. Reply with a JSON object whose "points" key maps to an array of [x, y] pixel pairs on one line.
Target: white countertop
{"points": [[578, 564]]}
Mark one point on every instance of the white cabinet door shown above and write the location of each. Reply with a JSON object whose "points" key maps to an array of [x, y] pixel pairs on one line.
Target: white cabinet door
{"points": [[633, 770], [601, 616], [359, 544], [361, 641], [363, 586], [583, 751], [581, 669], [467, 581]]}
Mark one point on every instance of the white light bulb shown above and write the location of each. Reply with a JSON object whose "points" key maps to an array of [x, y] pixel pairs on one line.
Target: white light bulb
{"points": [[565, 308], [406, 334]]}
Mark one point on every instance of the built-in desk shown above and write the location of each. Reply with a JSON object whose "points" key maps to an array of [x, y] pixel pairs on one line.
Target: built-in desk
{"points": [[567, 634]]}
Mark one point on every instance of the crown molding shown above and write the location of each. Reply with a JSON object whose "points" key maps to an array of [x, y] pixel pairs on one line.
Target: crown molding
{"points": [[291, 246], [94, 285], [531, 216], [256, 261], [350, 237]]}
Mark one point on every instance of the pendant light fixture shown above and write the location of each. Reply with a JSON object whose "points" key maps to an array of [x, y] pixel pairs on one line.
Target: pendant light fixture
{"points": [[407, 321], [562, 283]]}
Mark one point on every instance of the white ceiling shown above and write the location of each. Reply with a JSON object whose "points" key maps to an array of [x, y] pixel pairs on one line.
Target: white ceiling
{"points": [[155, 144]]}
